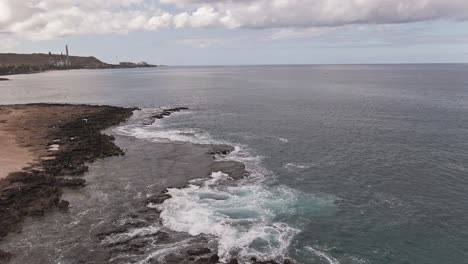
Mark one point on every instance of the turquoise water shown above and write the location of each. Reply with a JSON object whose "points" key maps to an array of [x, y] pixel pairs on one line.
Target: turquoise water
{"points": [[350, 164]]}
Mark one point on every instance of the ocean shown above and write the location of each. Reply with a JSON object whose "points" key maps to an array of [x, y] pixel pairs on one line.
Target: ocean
{"points": [[348, 163]]}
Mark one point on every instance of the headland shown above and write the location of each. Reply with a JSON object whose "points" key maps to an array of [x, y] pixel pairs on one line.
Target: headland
{"points": [[12, 63]]}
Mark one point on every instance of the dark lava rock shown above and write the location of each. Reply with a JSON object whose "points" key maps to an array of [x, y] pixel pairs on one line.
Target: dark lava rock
{"points": [[198, 251], [167, 112], [234, 169], [5, 256], [80, 254], [29, 193], [158, 116], [63, 205], [71, 183], [109, 230], [34, 192], [221, 149], [255, 261], [177, 109], [158, 198]]}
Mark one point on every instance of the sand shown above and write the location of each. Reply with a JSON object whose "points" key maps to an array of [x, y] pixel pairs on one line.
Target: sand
{"points": [[13, 157]]}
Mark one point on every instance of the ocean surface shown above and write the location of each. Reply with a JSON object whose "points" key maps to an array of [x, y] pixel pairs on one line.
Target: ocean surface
{"points": [[348, 163]]}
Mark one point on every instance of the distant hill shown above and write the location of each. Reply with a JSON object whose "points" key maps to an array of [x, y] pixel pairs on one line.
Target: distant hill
{"points": [[12, 63], [40, 59]]}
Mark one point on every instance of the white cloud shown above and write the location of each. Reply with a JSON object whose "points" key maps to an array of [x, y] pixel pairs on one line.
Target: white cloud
{"points": [[45, 19]]}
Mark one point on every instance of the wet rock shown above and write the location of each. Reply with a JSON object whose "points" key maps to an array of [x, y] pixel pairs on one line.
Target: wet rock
{"points": [[234, 169], [177, 109], [255, 261], [36, 191], [198, 251], [109, 230], [210, 260], [63, 205], [167, 112], [158, 116], [71, 183], [80, 254], [221, 149], [138, 243], [5, 256], [174, 258], [214, 258], [28, 193], [158, 198]]}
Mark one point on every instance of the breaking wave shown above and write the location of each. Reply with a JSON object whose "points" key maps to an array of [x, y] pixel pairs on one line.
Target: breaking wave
{"points": [[244, 218], [297, 166], [241, 218], [323, 255]]}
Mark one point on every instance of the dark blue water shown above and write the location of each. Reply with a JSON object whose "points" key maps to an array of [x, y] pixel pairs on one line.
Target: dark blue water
{"points": [[368, 162]]}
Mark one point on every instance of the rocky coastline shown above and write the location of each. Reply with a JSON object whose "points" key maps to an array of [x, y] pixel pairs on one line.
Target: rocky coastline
{"points": [[66, 137], [66, 143]]}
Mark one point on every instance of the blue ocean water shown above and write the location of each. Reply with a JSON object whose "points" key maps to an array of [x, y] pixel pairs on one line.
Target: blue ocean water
{"points": [[350, 163]]}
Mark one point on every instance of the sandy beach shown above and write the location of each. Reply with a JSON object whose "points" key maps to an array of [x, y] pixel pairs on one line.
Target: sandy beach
{"points": [[12, 156], [26, 133]]}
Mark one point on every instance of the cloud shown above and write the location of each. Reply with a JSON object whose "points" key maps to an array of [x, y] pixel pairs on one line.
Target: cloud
{"points": [[294, 33], [202, 43], [46, 19], [331, 13]]}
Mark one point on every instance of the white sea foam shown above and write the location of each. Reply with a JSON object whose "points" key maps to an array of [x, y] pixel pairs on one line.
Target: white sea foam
{"points": [[136, 232], [323, 255], [155, 134], [158, 132], [54, 147], [297, 166], [241, 218], [162, 252]]}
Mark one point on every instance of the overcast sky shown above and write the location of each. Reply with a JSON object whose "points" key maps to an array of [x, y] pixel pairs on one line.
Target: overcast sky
{"points": [[223, 32]]}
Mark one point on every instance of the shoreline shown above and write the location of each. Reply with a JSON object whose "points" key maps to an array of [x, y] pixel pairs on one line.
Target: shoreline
{"points": [[65, 142], [61, 138], [35, 69]]}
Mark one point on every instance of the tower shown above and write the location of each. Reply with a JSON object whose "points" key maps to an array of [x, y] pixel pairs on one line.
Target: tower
{"points": [[67, 62]]}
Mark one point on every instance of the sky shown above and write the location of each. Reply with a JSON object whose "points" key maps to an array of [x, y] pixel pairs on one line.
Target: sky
{"points": [[240, 32]]}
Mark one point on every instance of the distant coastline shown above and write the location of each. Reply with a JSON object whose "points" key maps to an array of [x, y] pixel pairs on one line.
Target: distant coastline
{"points": [[12, 63]]}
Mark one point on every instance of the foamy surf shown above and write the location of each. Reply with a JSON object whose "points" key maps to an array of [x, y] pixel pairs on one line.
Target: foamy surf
{"points": [[297, 166], [244, 218], [323, 255]]}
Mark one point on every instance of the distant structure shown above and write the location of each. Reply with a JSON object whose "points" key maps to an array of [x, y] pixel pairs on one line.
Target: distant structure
{"points": [[60, 61], [68, 63], [132, 64], [126, 64]]}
